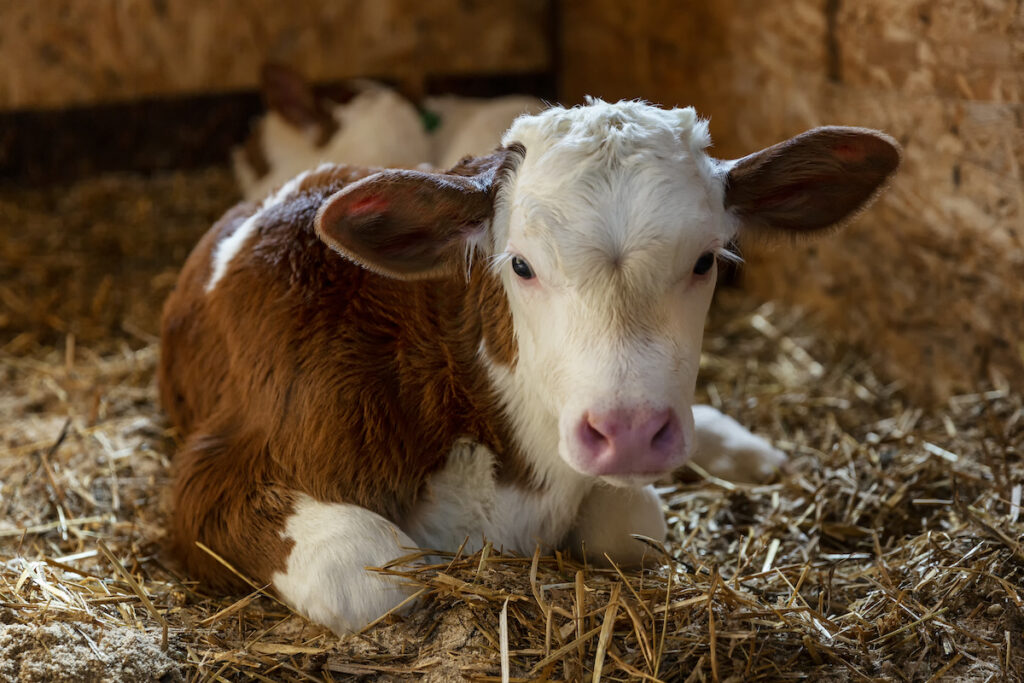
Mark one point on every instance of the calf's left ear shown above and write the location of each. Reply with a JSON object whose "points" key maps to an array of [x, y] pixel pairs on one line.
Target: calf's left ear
{"points": [[411, 224], [813, 181]]}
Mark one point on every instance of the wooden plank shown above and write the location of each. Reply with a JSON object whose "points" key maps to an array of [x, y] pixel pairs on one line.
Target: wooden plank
{"points": [[60, 53]]}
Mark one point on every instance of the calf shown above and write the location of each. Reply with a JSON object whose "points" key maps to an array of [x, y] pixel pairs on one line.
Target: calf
{"points": [[376, 360], [363, 123]]}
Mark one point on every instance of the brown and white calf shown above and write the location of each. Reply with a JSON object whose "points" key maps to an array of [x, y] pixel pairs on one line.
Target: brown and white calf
{"points": [[363, 123], [373, 360]]}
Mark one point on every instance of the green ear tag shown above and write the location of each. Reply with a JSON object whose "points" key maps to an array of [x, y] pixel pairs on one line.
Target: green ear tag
{"points": [[431, 120]]}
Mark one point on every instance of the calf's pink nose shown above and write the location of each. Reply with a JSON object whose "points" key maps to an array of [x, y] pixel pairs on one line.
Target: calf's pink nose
{"points": [[629, 441]]}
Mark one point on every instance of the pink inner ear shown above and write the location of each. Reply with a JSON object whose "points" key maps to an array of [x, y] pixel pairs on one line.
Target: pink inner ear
{"points": [[366, 205], [849, 152]]}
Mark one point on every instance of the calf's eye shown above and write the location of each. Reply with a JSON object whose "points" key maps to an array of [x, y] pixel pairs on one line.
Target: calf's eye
{"points": [[521, 268], [704, 263]]}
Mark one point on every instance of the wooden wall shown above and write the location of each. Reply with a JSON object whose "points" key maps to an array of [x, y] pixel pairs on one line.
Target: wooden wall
{"points": [[932, 278], [59, 53]]}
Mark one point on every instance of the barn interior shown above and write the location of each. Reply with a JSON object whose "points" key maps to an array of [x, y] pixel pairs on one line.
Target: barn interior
{"points": [[886, 359]]}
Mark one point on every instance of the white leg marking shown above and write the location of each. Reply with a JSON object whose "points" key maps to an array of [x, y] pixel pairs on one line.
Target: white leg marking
{"points": [[607, 517], [326, 579], [228, 248], [727, 449]]}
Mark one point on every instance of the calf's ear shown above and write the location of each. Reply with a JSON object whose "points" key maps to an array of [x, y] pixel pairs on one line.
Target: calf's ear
{"points": [[412, 224], [810, 182]]}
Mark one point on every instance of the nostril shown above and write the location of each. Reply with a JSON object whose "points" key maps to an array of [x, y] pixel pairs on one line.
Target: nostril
{"points": [[660, 435], [665, 436], [592, 436], [635, 440]]}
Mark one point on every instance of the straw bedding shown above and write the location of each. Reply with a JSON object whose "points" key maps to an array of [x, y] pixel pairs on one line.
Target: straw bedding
{"points": [[893, 549]]}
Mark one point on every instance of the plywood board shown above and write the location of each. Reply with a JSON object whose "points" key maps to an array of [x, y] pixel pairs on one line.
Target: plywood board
{"points": [[77, 52]]}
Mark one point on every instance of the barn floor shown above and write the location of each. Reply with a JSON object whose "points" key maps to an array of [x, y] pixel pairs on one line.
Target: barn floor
{"points": [[893, 550]]}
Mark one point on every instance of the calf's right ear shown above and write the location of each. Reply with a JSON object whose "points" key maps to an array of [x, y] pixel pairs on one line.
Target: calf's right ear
{"points": [[410, 224], [810, 182]]}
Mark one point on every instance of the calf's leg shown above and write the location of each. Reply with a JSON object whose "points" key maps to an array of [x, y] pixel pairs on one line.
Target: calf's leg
{"points": [[727, 449], [314, 554], [326, 579], [608, 517]]}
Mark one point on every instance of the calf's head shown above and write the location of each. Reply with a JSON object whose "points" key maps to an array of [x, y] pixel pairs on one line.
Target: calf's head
{"points": [[603, 224]]}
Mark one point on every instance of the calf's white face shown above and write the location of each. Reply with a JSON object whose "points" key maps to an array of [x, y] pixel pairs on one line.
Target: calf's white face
{"points": [[606, 238], [603, 223]]}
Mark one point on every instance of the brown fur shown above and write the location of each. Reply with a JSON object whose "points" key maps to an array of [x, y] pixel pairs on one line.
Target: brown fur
{"points": [[303, 373], [305, 107]]}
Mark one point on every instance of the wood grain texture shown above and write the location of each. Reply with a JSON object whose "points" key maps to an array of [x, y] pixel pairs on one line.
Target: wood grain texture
{"points": [[60, 53]]}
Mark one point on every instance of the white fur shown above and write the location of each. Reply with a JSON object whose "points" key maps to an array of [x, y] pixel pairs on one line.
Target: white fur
{"points": [[464, 503], [288, 150], [608, 517], [536, 431], [378, 127], [326, 578], [727, 449], [229, 247], [457, 502], [472, 126], [611, 206]]}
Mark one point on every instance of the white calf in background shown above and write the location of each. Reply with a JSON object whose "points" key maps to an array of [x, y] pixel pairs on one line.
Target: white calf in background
{"points": [[363, 123]]}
